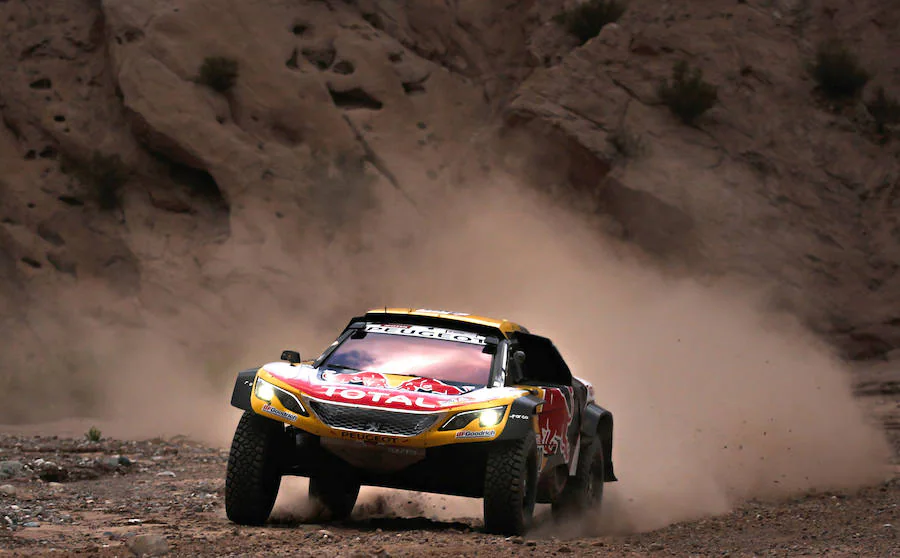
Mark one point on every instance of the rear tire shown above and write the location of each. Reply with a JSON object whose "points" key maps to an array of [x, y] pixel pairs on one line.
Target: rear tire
{"points": [[336, 494], [253, 475], [583, 491], [510, 487]]}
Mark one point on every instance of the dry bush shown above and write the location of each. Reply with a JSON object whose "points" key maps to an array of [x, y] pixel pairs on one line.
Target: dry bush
{"points": [[687, 95], [93, 435], [837, 71], [105, 174]]}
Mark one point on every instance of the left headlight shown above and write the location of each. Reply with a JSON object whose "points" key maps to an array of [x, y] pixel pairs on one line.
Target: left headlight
{"points": [[267, 392], [486, 418]]}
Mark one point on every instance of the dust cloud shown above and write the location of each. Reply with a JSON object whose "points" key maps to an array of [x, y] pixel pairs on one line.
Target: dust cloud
{"points": [[715, 400]]}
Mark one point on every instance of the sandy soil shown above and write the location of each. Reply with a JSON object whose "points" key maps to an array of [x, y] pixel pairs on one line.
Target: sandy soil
{"points": [[123, 498]]}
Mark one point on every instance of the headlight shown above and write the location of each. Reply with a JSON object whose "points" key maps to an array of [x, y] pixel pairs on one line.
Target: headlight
{"points": [[265, 390], [491, 417], [486, 418]]}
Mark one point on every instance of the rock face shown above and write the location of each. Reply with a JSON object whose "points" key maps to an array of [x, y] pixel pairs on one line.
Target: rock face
{"points": [[773, 182], [343, 109]]}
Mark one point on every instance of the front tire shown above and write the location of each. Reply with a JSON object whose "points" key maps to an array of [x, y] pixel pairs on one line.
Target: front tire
{"points": [[510, 487], [253, 475], [584, 490], [337, 494]]}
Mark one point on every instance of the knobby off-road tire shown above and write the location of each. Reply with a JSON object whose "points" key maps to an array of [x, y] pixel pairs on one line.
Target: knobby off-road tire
{"points": [[253, 474], [336, 493], [584, 491], [510, 487]]}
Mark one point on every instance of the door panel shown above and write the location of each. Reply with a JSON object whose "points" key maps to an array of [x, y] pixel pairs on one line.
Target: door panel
{"points": [[554, 422]]}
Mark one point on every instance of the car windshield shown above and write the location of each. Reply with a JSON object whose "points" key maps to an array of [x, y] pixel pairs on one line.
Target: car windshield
{"points": [[428, 352]]}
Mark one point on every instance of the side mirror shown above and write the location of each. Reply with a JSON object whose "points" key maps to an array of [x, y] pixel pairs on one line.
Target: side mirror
{"points": [[516, 371], [519, 357], [358, 329], [291, 356]]}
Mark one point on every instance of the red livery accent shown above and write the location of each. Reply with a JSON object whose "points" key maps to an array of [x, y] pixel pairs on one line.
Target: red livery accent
{"points": [[368, 379], [386, 397], [430, 384], [554, 421]]}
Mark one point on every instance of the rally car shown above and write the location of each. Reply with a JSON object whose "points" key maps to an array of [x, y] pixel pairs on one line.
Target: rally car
{"points": [[423, 400]]}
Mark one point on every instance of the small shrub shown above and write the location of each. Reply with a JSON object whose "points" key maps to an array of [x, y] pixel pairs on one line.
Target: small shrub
{"points": [[688, 96], [218, 73], [885, 110], [837, 71], [106, 174], [93, 435], [586, 20]]}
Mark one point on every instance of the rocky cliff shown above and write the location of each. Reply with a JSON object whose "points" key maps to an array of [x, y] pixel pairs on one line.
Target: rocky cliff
{"points": [[135, 193]]}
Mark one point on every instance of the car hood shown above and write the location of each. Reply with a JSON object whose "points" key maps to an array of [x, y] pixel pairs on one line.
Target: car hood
{"points": [[386, 391]]}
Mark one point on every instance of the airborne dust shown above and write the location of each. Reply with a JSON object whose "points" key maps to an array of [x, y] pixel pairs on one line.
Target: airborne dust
{"points": [[714, 399]]}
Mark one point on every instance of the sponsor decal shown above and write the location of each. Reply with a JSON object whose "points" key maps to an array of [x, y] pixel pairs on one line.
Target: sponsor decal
{"points": [[550, 440], [405, 451], [426, 331], [430, 385], [368, 437], [351, 394], [555, 420], [476, 433], [374, 446], [279, 413], [368, 379], [520, 417], [405, 400]]}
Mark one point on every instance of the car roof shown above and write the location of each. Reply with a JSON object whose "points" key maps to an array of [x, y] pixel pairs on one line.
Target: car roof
{"points": [[505, 327]]}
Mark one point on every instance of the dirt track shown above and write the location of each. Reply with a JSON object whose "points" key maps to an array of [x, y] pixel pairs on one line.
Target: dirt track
{"points": [[104, 499]]}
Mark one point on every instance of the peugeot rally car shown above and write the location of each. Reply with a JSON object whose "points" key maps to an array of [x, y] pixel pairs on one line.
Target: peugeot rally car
{"points": [[423, 400]]}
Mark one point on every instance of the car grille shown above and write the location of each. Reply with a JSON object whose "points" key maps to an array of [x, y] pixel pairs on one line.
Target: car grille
{"points": [[361, 419]]}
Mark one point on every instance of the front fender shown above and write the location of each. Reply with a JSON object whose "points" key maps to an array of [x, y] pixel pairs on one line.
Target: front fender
{"points": [[240, 396], [521, 418]]}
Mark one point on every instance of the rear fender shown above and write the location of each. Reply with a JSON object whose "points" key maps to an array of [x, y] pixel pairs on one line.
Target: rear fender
{"points": [[240, 397], [598, 422]]}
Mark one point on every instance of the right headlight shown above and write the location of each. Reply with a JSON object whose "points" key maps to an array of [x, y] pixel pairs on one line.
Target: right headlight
{"points": [[267, 392], [486, 418]]}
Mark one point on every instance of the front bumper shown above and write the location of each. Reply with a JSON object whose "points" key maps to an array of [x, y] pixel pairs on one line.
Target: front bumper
{"points": [[456, 470]]}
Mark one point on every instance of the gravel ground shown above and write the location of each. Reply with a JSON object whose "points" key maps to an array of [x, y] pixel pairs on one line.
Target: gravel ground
{"points": [[63, 496]]}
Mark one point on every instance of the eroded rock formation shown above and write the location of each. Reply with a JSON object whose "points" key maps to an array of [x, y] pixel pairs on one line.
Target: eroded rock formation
{"points": [[340, 107]]}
